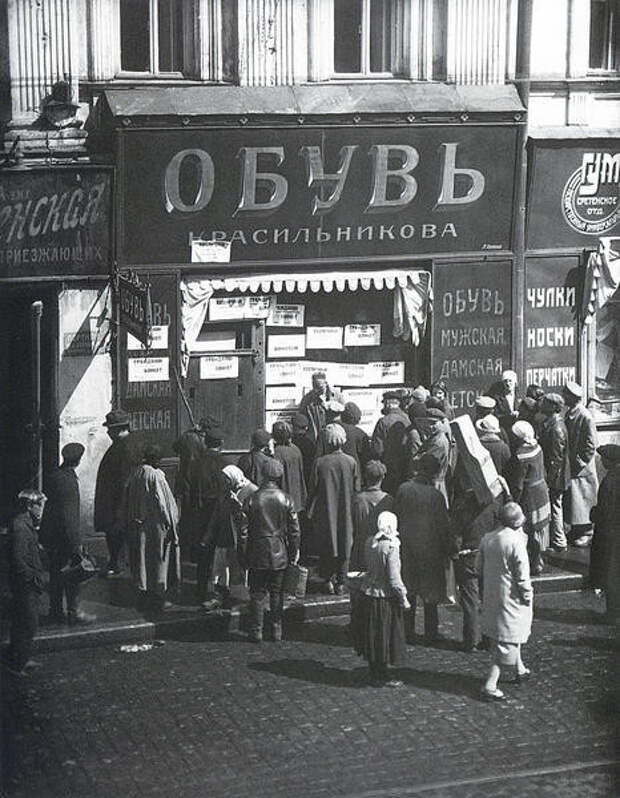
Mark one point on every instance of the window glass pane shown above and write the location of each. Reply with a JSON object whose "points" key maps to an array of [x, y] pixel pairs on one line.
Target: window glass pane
{"points": [[347, 35], [135, 35], [170, 21], [380, 35], [607, 368], [598, 34]]}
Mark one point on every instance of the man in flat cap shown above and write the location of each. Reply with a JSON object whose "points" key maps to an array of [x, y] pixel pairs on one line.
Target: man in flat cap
{"points": [[388, 439], [582, 443], [605, 555], [61, 535], [261, 450], [485, 406], [113, 473], [437, 445], [553, 439]]}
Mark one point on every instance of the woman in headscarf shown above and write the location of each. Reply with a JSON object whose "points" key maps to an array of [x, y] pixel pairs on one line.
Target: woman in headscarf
{"points": [[489, 432], [152, 520], [529, 489], [377, 620], [335, 478], [226, 528], [507, 598], [367, 506]]}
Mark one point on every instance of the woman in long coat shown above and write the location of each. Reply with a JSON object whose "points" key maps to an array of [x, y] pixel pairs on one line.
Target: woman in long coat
{"points": [[367, 506], [152, 521], [335, 478], [529, 489], [507, 597]]}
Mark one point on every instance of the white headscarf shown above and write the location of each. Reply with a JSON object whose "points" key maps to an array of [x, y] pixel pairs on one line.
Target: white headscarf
{"points": [[525, 431], [387, 527], [236, 477]]}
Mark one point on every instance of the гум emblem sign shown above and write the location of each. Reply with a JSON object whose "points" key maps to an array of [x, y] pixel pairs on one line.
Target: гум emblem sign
{"points": [[591, 196]]}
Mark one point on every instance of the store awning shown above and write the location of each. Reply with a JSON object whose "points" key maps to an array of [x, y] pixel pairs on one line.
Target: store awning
{"points": [[602, 277], [412, 297]]}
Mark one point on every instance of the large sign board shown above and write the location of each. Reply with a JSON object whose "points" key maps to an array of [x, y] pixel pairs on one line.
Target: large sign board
{"points": [[316, 192], [574, 193], [55, 222], [471, 328], [136, 314]]}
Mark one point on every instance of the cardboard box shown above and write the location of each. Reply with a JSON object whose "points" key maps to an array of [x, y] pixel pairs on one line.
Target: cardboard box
{"points": [[476, 460]]}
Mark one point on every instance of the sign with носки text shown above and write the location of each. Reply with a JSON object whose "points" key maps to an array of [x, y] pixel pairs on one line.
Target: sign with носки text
{"points": [[136, 314], [284, 194], [471, 323]]}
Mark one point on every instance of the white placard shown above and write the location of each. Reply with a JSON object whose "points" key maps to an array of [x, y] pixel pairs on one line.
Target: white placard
{"points": [[148, 369], [159, 339], [219, 367], [324, 338], [388, 372], [259, 307], [286, 345], [215, 341], [227, 307], [279, 397], [286, 316], [271, 416], [352, 374], [365, 398], [362, 335], [203, 251], [282, 372]]}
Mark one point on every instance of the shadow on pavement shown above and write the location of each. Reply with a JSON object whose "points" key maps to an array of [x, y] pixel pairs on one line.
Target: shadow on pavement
{"points": [[576, 616], [600, 643]]}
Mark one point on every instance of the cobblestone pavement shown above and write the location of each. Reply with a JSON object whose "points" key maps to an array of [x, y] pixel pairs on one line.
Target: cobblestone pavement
{"points": [[228, 718]]}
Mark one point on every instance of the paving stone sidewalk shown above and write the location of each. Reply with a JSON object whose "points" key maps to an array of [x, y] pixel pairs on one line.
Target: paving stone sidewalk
{"points": [[224, 718]]}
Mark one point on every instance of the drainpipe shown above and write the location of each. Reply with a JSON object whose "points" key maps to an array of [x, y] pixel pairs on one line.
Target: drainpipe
{"points": [[36, 313]]}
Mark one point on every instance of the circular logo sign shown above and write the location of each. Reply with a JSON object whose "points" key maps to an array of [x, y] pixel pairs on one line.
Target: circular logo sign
{"points": [[593, 207]]}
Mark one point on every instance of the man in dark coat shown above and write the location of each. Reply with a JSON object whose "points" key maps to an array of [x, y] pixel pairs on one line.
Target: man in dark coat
{"points": [[582, 443], [189, 447], [553, 439], [313, 405], [272, 543], [61, 535], [605, 555], [388, 440], [25, 580], [115, 468], [303, 442], [261, 451], [423, 525], [288, 454], [357, 444]]}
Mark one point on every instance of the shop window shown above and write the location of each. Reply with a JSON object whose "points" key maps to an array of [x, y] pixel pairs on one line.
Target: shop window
{"points": [[362, 36], [604, 35], [152, 36], [604, 356]]}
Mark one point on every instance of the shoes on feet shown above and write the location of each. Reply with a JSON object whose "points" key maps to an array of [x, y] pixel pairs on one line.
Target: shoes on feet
{"points": [[524, 676], [32, 665], [329, 588], [80, 618], [491, 695], [583, 542]]}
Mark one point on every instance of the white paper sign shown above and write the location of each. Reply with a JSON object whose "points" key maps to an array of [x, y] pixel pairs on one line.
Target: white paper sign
{"points": [[227, 307], [362, 335], [203, 251], [352, 374], [148, 369], [282, 372], [159, 339], [279, 397], [219, 367], [324, 338], [286, 345], [364, 398], [215, 341], [271, 416], [389, 372], [286, 316], [259, 307]]}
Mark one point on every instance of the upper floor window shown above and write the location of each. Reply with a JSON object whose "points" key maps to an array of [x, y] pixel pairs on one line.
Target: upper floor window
{"points": [[605, 35], [363, 37], [152, 36]]}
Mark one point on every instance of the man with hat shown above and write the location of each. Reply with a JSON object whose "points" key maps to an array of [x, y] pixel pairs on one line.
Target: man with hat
{"points": [[485, 406], [61, 535], [388, 440], [605, 555], [553, 439], [582, 443], [261, 451], [437, 445], [489, 432], [113, 474], [314, 405]]}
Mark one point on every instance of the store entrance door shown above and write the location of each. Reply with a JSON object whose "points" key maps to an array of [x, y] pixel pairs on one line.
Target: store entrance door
{"points": [[19, 447], [234, 400]]}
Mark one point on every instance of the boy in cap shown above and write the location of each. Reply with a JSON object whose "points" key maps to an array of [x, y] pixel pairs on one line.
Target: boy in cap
{"points": [[115, 468], [582, 443], [553, 439], [61, 535]]}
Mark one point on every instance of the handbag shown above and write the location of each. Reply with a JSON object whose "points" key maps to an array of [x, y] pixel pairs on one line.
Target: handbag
{"points": [[295, 581], [80, 568]]}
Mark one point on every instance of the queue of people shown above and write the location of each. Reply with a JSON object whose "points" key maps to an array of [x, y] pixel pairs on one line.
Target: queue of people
{"points": [[395, 507]]}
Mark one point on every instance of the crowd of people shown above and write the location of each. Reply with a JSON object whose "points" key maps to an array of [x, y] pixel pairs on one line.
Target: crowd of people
{"points": [[392, 517]]}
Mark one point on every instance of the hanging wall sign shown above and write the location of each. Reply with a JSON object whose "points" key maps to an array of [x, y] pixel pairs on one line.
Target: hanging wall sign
{"points": [[136, 313], [286, 346]]}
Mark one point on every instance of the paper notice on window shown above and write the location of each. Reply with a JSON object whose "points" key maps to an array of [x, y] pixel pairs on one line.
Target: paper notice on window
{"points": [[352, 374], [365, 398], [159, 339], [280, 397], [389, 372], [271, 416], [227, 307], [286, 316], [219, 367], [362, 335], [215, 341], [324, 338], [148, 369], [309, 367], [259, 307], [282, 372], [286, 345]]}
